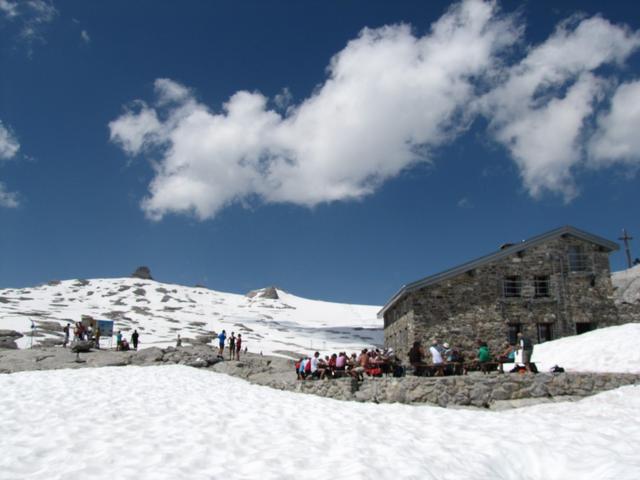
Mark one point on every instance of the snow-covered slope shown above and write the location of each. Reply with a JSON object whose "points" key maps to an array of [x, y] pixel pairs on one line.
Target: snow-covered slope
{"points": [[175, 422], [611, 349], [627, 285], [162, 311]]}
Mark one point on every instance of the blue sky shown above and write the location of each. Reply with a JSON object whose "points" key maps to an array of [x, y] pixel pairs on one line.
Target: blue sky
{"points": [[126, 138]]}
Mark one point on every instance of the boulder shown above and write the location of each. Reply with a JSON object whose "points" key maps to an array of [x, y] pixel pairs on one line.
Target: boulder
{"points": [[8, 343], [10, 333], [81, 346], [198, 363], [147, 355], [143, 273]]}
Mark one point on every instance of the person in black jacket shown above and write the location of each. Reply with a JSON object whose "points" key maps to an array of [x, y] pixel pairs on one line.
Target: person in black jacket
{"points": [[134, 339], [416, 358]]}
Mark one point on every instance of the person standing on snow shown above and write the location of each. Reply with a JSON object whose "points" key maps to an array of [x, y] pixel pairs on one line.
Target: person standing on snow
{"points": [[221, 339], [66, 335], [239, 346], [232, 346]]}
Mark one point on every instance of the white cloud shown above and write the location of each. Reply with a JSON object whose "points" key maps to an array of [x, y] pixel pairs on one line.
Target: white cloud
{"points": [[539, 110], [84, 35], [9, 145], [617, 138], [9, 8], [389, 99], [136, 129], [30, 16], [8, 199]]}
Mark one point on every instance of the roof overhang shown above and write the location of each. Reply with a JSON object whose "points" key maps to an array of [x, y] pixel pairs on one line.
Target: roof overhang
{"points": [[454, 272]]}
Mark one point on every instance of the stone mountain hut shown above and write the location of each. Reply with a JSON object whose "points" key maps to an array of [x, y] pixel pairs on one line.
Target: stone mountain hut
{"points": [[550, 286]]}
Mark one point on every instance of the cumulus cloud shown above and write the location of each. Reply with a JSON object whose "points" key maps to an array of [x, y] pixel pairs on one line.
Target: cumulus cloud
{"points": [[617, 136], [390, 99], [539, 111], [84, 35]]}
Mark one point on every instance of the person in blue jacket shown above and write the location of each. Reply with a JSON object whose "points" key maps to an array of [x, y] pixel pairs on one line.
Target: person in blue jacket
{"points": [[221, 339]]}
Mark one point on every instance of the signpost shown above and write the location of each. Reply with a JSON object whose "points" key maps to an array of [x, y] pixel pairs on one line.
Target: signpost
{"points": [[105, 327]]}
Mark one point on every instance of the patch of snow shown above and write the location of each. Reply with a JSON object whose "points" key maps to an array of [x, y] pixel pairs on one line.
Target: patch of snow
{"points": [[627, 285], [178, 422]]}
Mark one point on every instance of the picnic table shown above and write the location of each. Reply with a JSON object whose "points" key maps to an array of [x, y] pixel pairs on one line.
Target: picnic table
{"points": [[422, 369]]}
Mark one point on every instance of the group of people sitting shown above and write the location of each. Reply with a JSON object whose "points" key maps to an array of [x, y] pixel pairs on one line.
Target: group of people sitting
{"points": [[446, 360], [374, 362]]}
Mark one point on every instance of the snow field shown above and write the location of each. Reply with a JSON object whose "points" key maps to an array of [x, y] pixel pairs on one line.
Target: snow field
{"points": [[161, 311], [610, 349], [175, 422]]}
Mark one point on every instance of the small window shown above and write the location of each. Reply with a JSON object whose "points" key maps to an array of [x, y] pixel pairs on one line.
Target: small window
{"points": [[511, 286], [541, 284], [578, 260], [512, 334], [545, 332]]}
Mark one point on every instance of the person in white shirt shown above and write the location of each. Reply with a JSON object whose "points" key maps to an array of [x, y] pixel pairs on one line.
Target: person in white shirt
{"points": [[436, 356]]}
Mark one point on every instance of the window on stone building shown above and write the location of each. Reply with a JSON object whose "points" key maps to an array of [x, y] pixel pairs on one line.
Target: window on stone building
{"points": [[511, 286], [541, 283], [545, 332], [512, 333], [578, 260]]}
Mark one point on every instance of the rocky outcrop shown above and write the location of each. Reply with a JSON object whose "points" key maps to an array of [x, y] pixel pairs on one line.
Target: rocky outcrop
{"points": [[81, 346], [143, 273], [270, 293], [8, 339], [8, 343]]}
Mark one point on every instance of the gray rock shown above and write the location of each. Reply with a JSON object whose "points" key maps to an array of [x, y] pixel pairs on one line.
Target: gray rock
{"points": [[81, 346], [147, 356], [204, 339], [198, 363], [8, 343], [269, 293], [142, 272], [10, 333]]}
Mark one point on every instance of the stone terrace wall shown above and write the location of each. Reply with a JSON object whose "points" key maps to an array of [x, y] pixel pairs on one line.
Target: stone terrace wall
{"points": [[469, 390]]}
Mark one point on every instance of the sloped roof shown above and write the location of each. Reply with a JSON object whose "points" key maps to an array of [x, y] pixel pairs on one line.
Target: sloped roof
{"points": [[505, 252]]}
